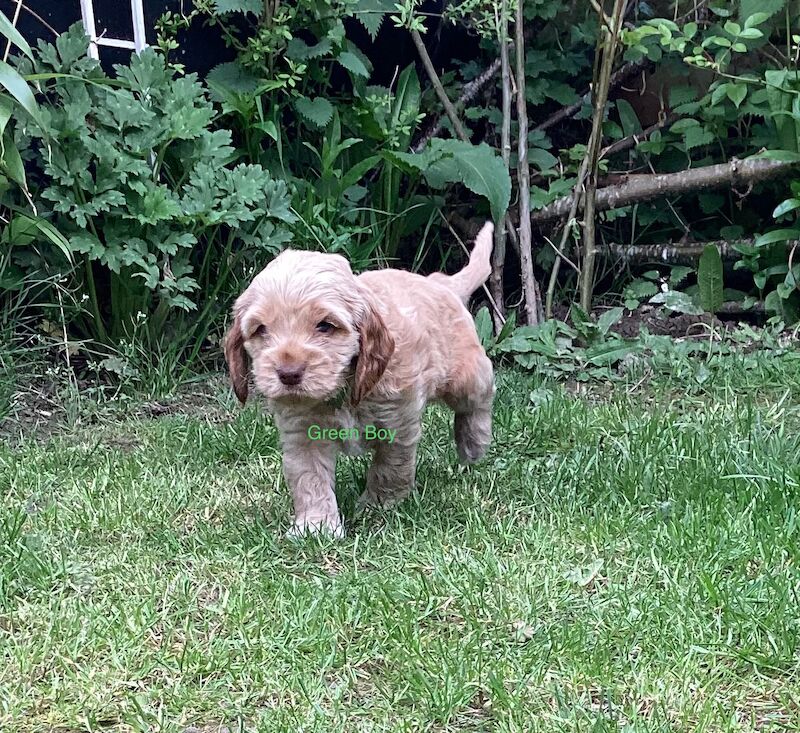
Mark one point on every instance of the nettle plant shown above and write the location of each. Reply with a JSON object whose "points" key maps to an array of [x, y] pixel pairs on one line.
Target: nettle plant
{"points": [[142, 187]]}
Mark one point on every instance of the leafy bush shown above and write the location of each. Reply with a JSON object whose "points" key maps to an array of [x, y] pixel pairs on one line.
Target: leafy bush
{"points": [[142, 186]]}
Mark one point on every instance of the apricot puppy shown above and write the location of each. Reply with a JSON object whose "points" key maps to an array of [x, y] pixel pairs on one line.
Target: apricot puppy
{"points": [[349, 363]]}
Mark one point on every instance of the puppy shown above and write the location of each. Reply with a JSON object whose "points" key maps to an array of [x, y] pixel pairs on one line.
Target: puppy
{"points": [[349, 362]]}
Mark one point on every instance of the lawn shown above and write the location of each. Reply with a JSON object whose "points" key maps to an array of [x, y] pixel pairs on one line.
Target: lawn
{"points": [[626, 558]]}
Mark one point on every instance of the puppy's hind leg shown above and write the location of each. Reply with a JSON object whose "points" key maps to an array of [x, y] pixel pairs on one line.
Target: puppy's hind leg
{"points": [[472, 404]]}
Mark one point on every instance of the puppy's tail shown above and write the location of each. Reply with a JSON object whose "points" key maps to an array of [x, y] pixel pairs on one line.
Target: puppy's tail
{"points": [[476, 271]]}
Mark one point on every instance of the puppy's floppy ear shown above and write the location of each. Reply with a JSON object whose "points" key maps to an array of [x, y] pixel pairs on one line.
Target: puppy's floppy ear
{"points": [[237, 359], [375, 349]]}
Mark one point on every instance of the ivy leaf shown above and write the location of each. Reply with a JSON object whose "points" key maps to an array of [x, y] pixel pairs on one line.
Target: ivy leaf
{"points": [[709, 279], [317, 111]]}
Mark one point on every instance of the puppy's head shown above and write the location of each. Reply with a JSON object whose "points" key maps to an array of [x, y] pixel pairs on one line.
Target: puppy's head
{"points": [[299, 327]]}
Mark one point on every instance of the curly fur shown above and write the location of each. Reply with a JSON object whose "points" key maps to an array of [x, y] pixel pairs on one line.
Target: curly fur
{"points": [[397, 341]]}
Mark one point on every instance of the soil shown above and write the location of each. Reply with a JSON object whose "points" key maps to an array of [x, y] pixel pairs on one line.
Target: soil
{"points": [[676, 325]]}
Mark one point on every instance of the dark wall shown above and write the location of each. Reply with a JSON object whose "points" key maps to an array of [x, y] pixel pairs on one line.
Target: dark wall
{"points": [[202, 47]]}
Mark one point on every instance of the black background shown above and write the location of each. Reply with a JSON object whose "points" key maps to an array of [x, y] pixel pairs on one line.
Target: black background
{"points": [[201, 47]]}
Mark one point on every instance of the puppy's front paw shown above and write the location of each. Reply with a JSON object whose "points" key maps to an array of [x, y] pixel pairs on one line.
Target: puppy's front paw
{"points": [[325, 526]]}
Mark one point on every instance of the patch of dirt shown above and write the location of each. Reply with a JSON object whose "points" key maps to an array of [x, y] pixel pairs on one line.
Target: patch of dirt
{"points": [[43, 410], [676, 325]]}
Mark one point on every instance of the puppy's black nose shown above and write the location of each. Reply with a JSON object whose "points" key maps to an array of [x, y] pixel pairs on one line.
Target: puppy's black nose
{"points": [[290, 375]]}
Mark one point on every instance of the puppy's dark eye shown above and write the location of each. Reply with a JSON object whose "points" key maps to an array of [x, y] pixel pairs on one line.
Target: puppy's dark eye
{"points": [[325, 327], [261, 331]]}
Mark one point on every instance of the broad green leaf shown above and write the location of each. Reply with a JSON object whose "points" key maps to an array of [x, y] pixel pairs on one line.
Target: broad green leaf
{"points": [[709, 279], [47, 229], [784, 156], [628, 117], [298, 50], [750, 34], [8, 30], [355, 173], [11, 162], [352, 63], [754, 19], [759, 10], [677, 301], [238, 6], [778, 235], [606, 353], [785, 207], [18, 88], [370, 13], [317, 111], [6, 108], [478, 167], [608, 319], [736, 93], [678, 274], [542, 159], [696, 137], [483, 325]]}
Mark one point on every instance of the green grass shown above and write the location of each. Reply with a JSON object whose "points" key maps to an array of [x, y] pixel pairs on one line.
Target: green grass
{"points": [[624, 557]]}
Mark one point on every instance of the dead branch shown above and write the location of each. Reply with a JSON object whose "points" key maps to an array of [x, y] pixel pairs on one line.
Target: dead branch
{"points": [[674, 253], [631, 141], [469, 91], [638, 188], [620, 76], [437, 85]]}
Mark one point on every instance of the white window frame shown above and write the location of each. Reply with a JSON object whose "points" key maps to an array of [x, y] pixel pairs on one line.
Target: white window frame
{"points": [[139, 41]]}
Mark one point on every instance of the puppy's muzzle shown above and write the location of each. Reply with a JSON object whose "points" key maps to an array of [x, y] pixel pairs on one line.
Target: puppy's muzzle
{"points": [[291, 374]]}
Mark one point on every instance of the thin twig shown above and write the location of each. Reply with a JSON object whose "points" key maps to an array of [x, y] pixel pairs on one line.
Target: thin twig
{"points": [[14, 23], [499, 253], [437, 85], [468, 92], [633, 140], [38, 17]]}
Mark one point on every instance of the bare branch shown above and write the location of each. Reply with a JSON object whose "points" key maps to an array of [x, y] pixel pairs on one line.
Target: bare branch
{"points": [[608, 52], [437, 85], [499, 253], [533, 301], [637, 188]]}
